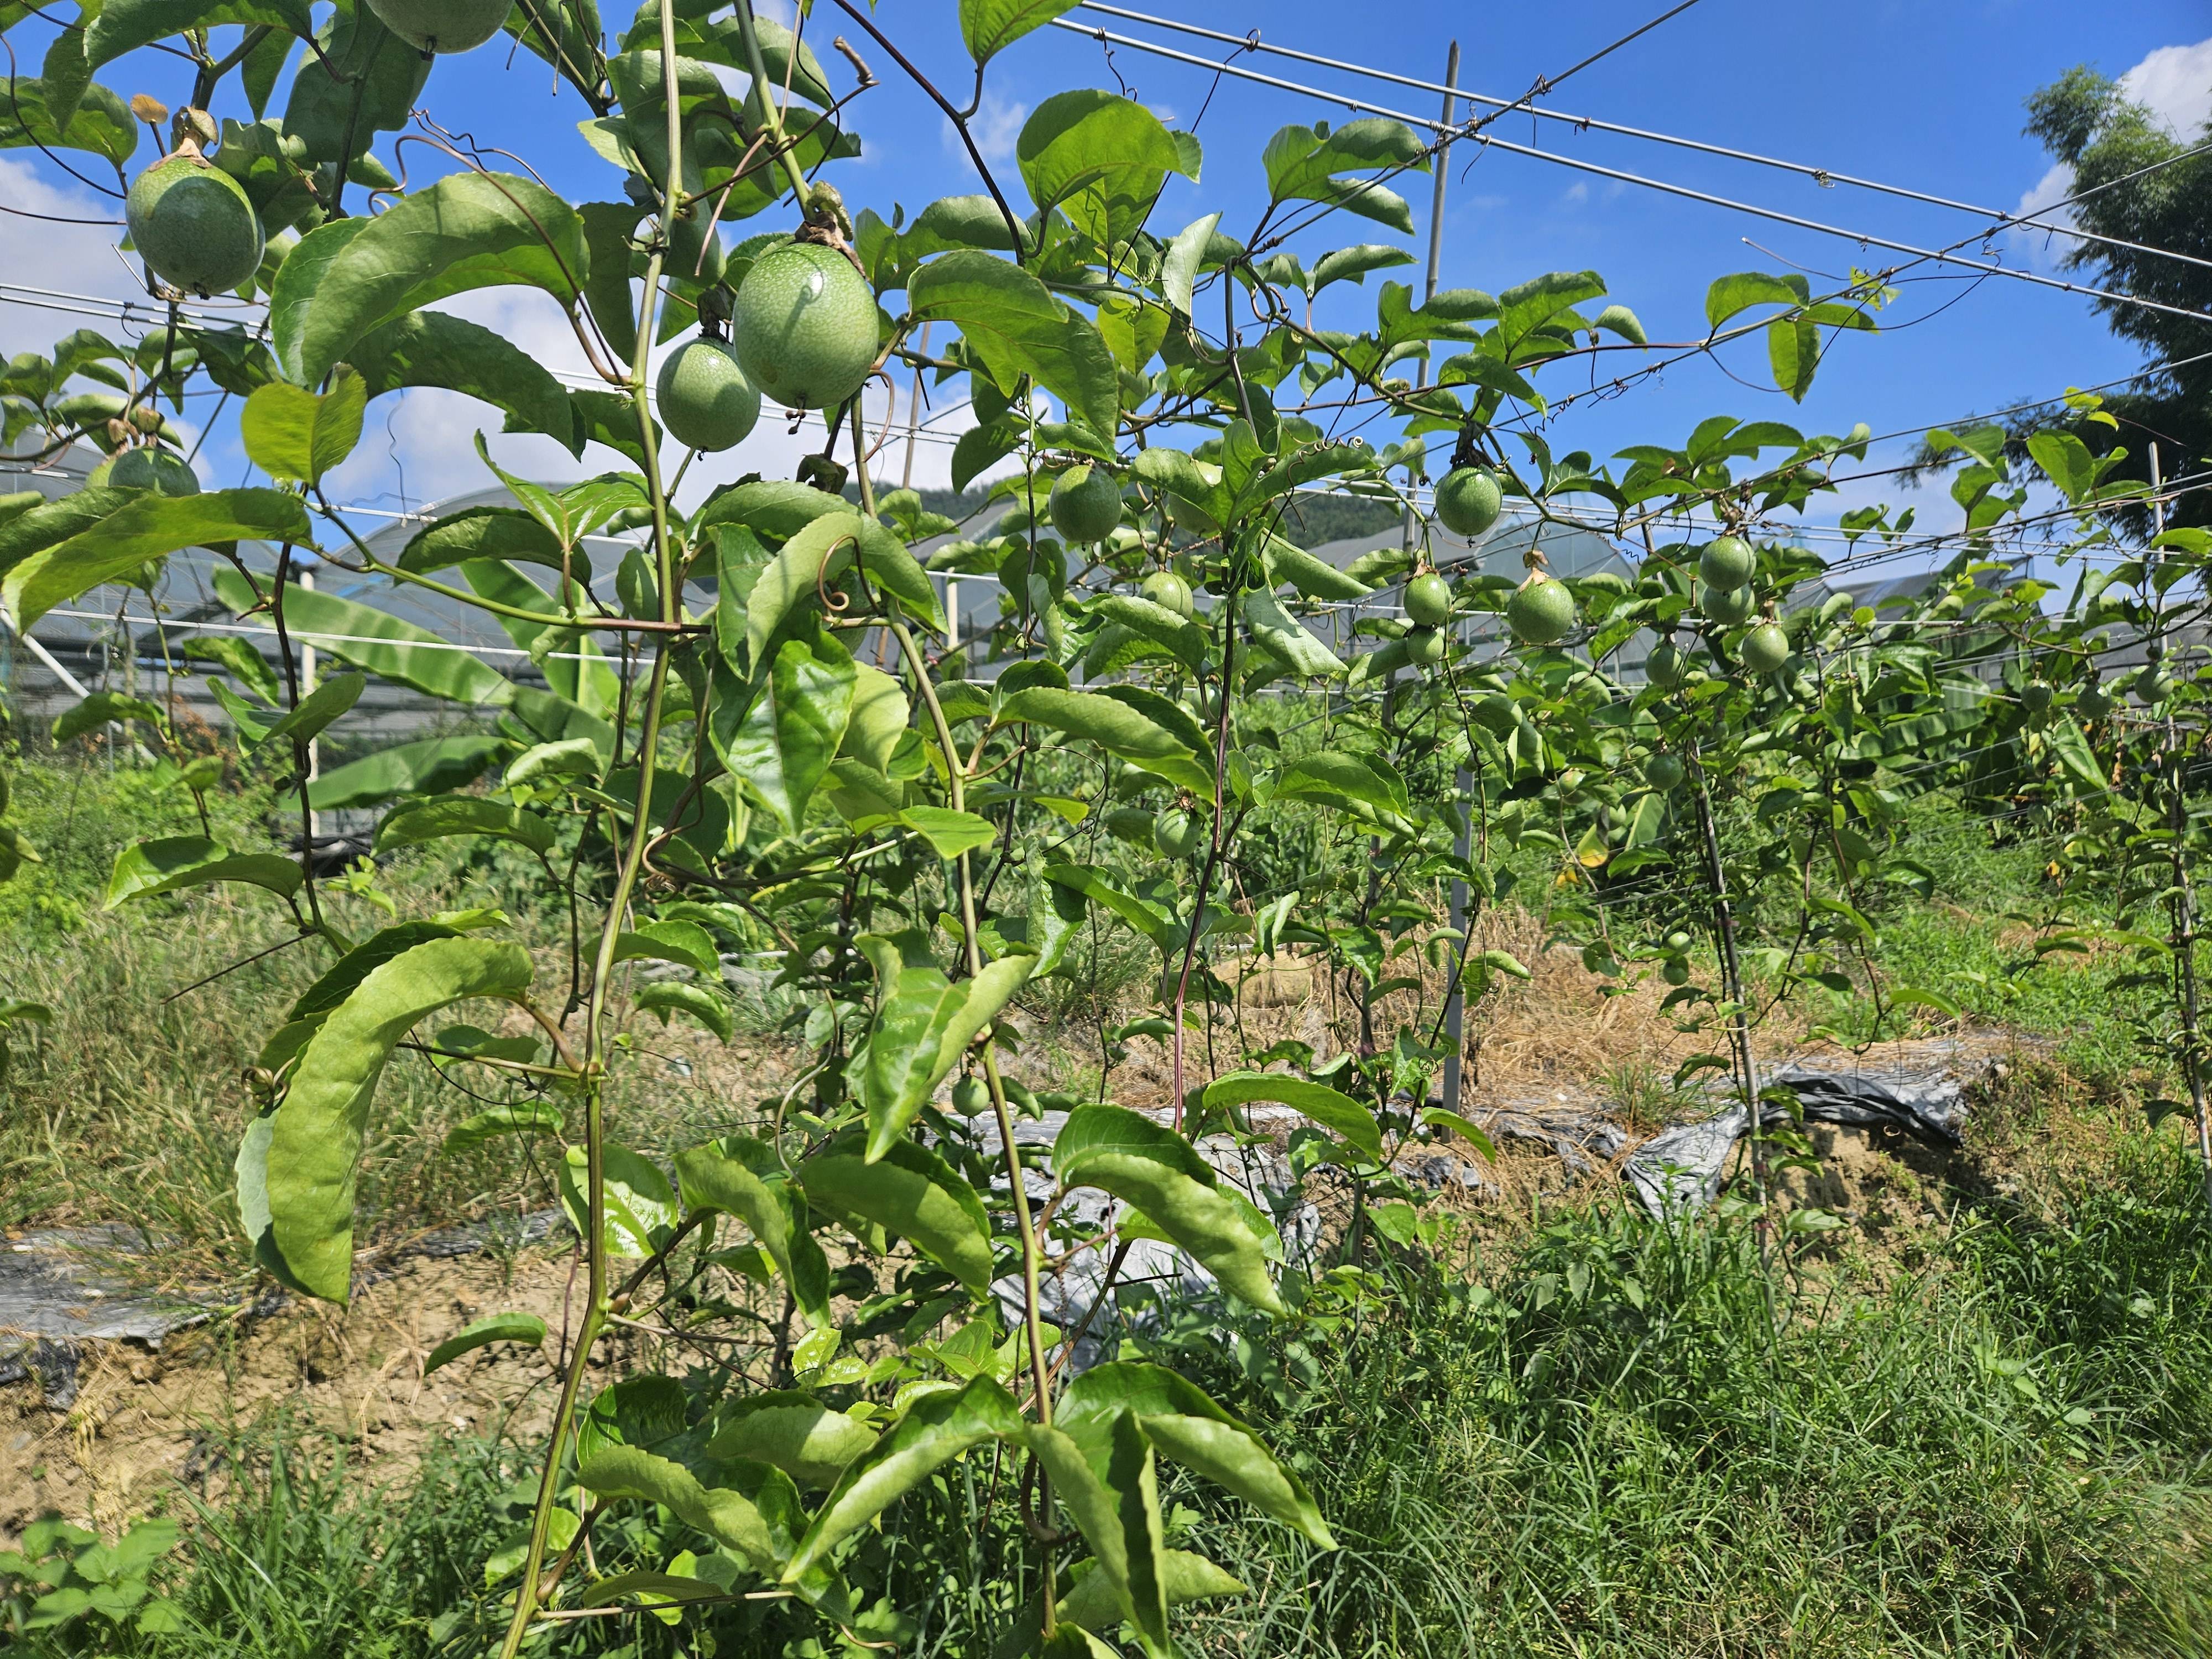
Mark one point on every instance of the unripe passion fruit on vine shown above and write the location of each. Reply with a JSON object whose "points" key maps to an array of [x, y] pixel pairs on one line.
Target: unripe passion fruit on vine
{"points": [[2094, 702], [2035, 700], [1664, 666], [1169, 591], [148, 469], [1427, 646], [1726, 606], [1428, 599], [971, 1097], [1727, 561], [703, 398], [443, 26], [1468, 501], [1678, 943], [1176, 833], [1086, 504], [1541, 611], [192, 224], [1765, 649], [805, 326], [2154, 685], [1663, 772]]}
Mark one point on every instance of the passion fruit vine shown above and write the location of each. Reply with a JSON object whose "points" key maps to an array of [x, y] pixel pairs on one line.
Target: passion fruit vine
{"points": [[703, 398], [442, 26], [805, 326], [1086, 504], [191, 221]]}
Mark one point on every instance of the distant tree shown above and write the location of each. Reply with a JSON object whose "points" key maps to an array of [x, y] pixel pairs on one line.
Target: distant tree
{"points": [[2086, 121]]}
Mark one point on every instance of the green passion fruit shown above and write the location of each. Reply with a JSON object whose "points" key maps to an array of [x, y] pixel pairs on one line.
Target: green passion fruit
{"points": [[970, 1097], [1176, 833], [1727, 561], [805, 326], [1429, 600], [1676, 972], [1169, 591], [1086, 504], [192, 224], [2094, 702], [1427, 646], [148, 469], [1664, 772], [1726, 606], [703, 398], [1541, 611], [1765, 649], [443, 26], [1666, 666], [1468, 501], [1679, 942]]}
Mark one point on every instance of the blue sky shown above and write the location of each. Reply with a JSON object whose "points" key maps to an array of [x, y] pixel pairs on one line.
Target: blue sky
{"points": [[1922, 96]]}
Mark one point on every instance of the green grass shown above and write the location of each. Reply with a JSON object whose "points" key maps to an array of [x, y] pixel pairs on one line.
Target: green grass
{"points": [[1596, 1448]]}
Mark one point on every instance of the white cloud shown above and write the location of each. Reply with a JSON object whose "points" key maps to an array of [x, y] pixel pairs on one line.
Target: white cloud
{"points": [[59, 258], [2175, 84], [995, 125], [1575, 194]]}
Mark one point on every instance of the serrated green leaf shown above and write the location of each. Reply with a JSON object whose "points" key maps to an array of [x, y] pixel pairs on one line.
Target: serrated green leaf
{"points": [[912, 1191], [316, 1132], [527, 1329], [1159, 1173]]}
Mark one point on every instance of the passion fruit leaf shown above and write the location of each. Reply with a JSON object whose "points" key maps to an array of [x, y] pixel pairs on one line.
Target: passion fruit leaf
{"points": [[1304, 163], [989, 27], [375, 640], [1288, 638], [426, 766], [1184, 1574], [924, 1024], [146, 528], [1098, 158], [468, 231], [936, 1428], [432, 349], [743, 1177], [538, 1118], [326, 703], [1118, 1511], [101, 709], [948, 833], [1352, 264], [527, 1329], [1111, 724], [793, 1431], [710, 1008], [913, 1193], [1437, 1118], [682, 942], [1185, 1423], [177, 862], [291, 434], [1015, 327], [1313, 579], [99, 122], [641, 1205], [363, 82], [1328, 1107], [729, 1519], [1154, 924], [315, 1133], [788, 738], [122, 26], [1183, 638], [463, 815], [1158, 1172], [1185, 255]]}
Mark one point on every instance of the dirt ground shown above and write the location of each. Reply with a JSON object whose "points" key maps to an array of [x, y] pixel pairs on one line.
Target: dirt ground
{"points": [[143, 1418]]}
